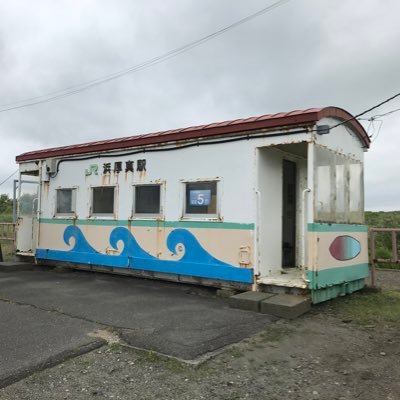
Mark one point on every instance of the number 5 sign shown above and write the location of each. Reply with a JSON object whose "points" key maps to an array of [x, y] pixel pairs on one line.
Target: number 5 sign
{"points": [[200, 197]]}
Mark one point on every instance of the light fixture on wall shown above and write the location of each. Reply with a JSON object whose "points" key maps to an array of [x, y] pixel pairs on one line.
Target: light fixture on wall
{"points": [[323, 129]]}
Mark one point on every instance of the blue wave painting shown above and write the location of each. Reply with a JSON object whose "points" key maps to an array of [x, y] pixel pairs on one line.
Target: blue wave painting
{"points": [[81, 245], [195, 261]]}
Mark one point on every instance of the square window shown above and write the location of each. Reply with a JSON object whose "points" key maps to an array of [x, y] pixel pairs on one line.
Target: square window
{"points": [[103, 200], [147, 199], [201, 198], [65, 201]]}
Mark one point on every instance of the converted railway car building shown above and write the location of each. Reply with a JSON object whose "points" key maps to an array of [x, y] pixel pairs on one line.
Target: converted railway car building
{"points": [[265, 203]]}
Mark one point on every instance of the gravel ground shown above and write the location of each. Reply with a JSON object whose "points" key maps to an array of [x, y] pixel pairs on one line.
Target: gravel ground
{"points": [[388, 279], [318, 356]]}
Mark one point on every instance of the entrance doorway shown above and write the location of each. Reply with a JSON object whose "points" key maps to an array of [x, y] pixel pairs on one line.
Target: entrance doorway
{"points": [[289, 201], [26, 219]]}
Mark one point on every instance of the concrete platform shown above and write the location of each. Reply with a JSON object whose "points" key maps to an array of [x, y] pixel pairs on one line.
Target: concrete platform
{"points": [[287, 306], [16, 265], [182, 321], [32, 339], [249, 301]]}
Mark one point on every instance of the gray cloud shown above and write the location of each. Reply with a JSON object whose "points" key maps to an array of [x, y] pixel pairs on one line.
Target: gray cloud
{"points": [[303, 54]]}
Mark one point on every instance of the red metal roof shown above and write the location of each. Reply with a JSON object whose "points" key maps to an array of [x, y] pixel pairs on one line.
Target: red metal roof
{"points": [[288, 119]]}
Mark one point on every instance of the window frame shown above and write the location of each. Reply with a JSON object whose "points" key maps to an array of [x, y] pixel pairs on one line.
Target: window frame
{"points": [[216, 217], [345, 214], [152, 216], [73, 214], [112, 215]]}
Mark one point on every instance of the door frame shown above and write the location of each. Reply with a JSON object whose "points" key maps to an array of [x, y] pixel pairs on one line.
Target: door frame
{"points": [[25, 224], [285, 218]]}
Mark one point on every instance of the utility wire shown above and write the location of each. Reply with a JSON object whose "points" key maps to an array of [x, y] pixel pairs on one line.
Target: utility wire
{"points": [[78, 88], [373, 119], [366, 111], [377, 131], [385, 114], [9, 177]]}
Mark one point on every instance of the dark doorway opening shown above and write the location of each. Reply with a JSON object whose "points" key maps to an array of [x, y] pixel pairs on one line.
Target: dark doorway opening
{"points": [[289, 179]]}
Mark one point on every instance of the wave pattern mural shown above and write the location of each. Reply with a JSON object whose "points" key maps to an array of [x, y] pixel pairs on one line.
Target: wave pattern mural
{"points": [[195, 261]]}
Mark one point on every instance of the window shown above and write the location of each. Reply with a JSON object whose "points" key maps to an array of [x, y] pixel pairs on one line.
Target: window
{"points": [[338, 188], [147, 200], [103, 200], [65, 201], [356, 205], [341, 190], [201, 198]]}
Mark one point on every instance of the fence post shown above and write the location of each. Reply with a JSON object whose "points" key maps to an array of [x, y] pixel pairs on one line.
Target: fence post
{"points": [[373, 256], [394, 247]]}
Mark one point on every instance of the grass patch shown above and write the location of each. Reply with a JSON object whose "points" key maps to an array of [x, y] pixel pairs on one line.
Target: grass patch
{"points": [[372, 308], [235, 351], [275, 333], [6, 231], [7, 249], [170, 364], [115, 347], [5, 217], [387, 266]]}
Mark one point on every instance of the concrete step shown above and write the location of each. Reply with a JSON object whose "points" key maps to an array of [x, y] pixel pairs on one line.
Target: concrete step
{"points": [[249, 301], [287, 306]]}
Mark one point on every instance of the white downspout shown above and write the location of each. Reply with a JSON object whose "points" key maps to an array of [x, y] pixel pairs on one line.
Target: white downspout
{"points": [[257, 241], [304, 227], [39, 204], [308, 208]]}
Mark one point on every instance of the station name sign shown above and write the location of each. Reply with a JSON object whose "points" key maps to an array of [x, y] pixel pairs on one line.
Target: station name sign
{"points": [[116, 167]]}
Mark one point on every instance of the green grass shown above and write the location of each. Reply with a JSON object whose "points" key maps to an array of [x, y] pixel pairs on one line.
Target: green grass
{"points": [[7, 249], [383, 219], [371, 308], [5, 217], [6, 246], [171, 364], [235, 351], [275, 333]]}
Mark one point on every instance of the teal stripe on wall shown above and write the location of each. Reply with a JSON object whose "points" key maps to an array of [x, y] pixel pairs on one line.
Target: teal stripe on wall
{"points": [[320, 227], [148, 223], [336, 276], [330, 292]]}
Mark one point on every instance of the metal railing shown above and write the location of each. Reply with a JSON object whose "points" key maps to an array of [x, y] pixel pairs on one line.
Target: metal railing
{"points": [[394, 259]]}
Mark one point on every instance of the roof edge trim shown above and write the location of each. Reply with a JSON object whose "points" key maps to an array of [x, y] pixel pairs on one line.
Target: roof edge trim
{"points": [[232, 127]]}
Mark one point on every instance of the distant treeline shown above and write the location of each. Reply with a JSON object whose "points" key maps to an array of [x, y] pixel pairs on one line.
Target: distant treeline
{"points": [[5, 208], [379, 219], [26, 204]]}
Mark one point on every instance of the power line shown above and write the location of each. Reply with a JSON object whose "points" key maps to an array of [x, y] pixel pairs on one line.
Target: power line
{"points": [[376, 133], [78, 88], [385, 114], [9, 177], [373, 119], [366, 111]]}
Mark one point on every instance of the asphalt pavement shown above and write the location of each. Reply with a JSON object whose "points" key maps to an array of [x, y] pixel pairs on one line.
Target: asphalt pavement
{"points": [[49, 314]]}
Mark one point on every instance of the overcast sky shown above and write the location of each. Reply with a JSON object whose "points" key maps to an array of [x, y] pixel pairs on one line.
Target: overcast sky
{"points": [[306, 53]]}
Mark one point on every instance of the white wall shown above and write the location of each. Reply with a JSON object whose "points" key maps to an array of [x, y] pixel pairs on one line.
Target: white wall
{"points": [[230, 162], [270, 210], [341, 139], [270, 174]]}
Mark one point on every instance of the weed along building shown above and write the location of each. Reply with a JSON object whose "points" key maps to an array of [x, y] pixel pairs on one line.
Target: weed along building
{"points": [[265, 203]]}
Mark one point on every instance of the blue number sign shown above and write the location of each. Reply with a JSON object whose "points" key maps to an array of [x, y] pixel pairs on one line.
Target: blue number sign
{"points": [[200, 197]]}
